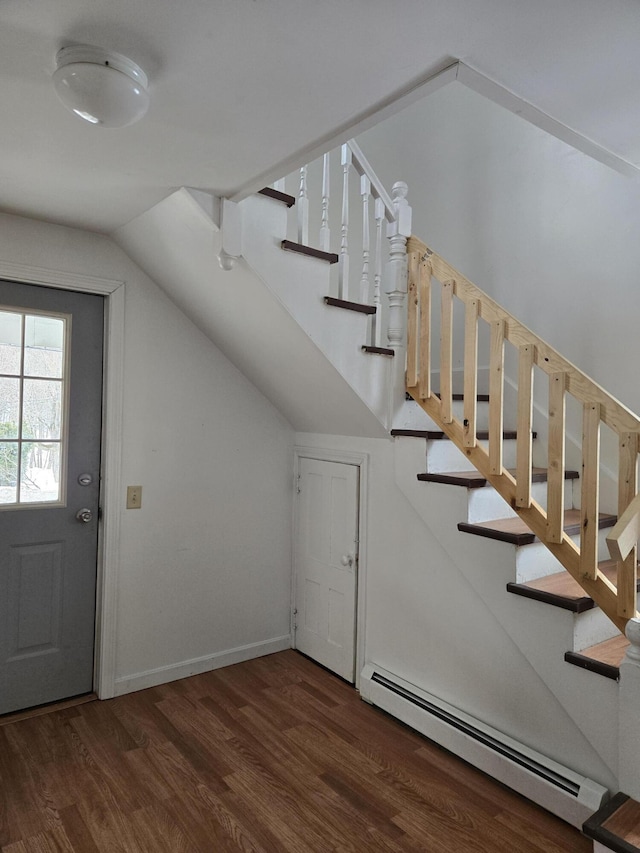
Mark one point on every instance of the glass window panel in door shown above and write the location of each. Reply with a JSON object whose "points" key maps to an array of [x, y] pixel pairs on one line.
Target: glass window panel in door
{"points": [[40, 472], [32, 394], [10, 342], [9, 407], [41, 409], [43, 346], [8, 472]]}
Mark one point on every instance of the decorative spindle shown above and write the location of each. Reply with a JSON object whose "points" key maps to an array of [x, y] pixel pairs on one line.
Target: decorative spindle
{"points": [[365, 192], [303, 209], [398, 231], [376, 330], [343, 272], [325, 233]]}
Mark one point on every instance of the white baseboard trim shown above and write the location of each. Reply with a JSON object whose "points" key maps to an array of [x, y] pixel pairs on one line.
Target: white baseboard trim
{"points": [[174, 671]]}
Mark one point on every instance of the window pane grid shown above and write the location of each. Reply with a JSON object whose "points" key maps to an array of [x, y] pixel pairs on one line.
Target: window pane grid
{"points": [[32, 426]]}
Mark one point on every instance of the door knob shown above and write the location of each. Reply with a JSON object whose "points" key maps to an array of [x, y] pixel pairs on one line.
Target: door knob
{"points": [[84, 515], [347, 559]]}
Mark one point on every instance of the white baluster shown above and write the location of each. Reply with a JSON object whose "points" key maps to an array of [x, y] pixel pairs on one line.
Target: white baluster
{"points": [[303, 209], [325, 233], [343, 272], [365, 192], [398, 232], [376, 330]]}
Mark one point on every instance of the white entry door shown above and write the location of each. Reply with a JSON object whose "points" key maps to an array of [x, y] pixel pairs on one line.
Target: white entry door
{"points": [[326, 563]]}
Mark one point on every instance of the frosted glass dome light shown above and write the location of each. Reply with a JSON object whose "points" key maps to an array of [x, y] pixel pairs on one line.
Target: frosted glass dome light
{"points": [[99, 86]]}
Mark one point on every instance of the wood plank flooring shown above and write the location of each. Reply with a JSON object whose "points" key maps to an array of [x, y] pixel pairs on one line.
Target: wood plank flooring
{"points": [[273, 755]]}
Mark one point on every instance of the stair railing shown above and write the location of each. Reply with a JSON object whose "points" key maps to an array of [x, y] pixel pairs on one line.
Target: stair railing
{"points": [[383, 215], [426, 270]]}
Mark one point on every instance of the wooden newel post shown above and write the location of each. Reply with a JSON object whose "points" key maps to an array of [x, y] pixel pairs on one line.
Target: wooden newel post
{"points": [[629, 719], [396, 286]]}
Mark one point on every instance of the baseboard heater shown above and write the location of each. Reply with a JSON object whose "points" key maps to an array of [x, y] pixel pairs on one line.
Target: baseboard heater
{"points": [[558, 789]]}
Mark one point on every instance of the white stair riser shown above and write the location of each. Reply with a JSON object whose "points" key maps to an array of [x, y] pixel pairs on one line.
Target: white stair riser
{"points": [[592, 627], [586, 629], [536, 561], [487, 503], [444, 456], [413, 416]]}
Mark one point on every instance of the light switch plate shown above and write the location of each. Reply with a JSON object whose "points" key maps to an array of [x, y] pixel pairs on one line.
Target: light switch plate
{"points": [[134, 497]]}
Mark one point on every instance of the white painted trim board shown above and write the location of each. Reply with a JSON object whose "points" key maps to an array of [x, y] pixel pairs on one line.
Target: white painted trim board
{"points": [[456, 72], [195, 666]]}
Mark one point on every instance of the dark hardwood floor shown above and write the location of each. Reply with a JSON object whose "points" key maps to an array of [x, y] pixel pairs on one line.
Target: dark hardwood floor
{"points": [[271, 755]]}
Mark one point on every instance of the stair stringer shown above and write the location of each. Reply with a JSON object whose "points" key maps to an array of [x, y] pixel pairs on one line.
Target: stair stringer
{"points": [[301, 284], [540, 632], [177, 243]]}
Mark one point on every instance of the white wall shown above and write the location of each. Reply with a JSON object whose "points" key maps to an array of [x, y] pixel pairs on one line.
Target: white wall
{"points": [[205, 563], [425, 623]]}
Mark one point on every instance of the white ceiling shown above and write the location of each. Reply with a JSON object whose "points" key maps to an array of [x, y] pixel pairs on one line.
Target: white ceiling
{"points": [[240, 85]]}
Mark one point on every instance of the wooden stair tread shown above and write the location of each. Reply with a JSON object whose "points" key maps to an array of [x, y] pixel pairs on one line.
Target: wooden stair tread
{"points": [[458, 398], [378, 350], [603, 658], [475, 480], [561, 590], [301, 249], [480, 398], [515, 530], [349, 306], [276, 195], [625, 823], [616, 825], [436, 435]]}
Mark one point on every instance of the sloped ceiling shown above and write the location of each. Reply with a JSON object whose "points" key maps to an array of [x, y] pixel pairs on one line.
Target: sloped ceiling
{"points": [[239, 85]]}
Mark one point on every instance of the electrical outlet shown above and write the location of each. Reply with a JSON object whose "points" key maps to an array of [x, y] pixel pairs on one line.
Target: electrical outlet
{"points": [[134, 497]]}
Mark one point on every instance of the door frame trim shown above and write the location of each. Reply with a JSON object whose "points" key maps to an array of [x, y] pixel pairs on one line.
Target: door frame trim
{"points": [[361, 461], [112, 397]]}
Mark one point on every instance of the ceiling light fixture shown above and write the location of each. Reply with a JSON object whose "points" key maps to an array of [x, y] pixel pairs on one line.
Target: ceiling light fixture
{"points": [[99, 86]]}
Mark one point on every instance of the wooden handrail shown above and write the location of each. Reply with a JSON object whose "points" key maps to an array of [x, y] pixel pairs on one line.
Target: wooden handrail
{"points": [[618, 600], [364, 168], [582, 387]]}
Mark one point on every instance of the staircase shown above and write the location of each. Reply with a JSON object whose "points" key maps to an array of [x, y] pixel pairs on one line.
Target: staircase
{"points": [[470, 464], [537, 575], [564, 380], [512, 500]]}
